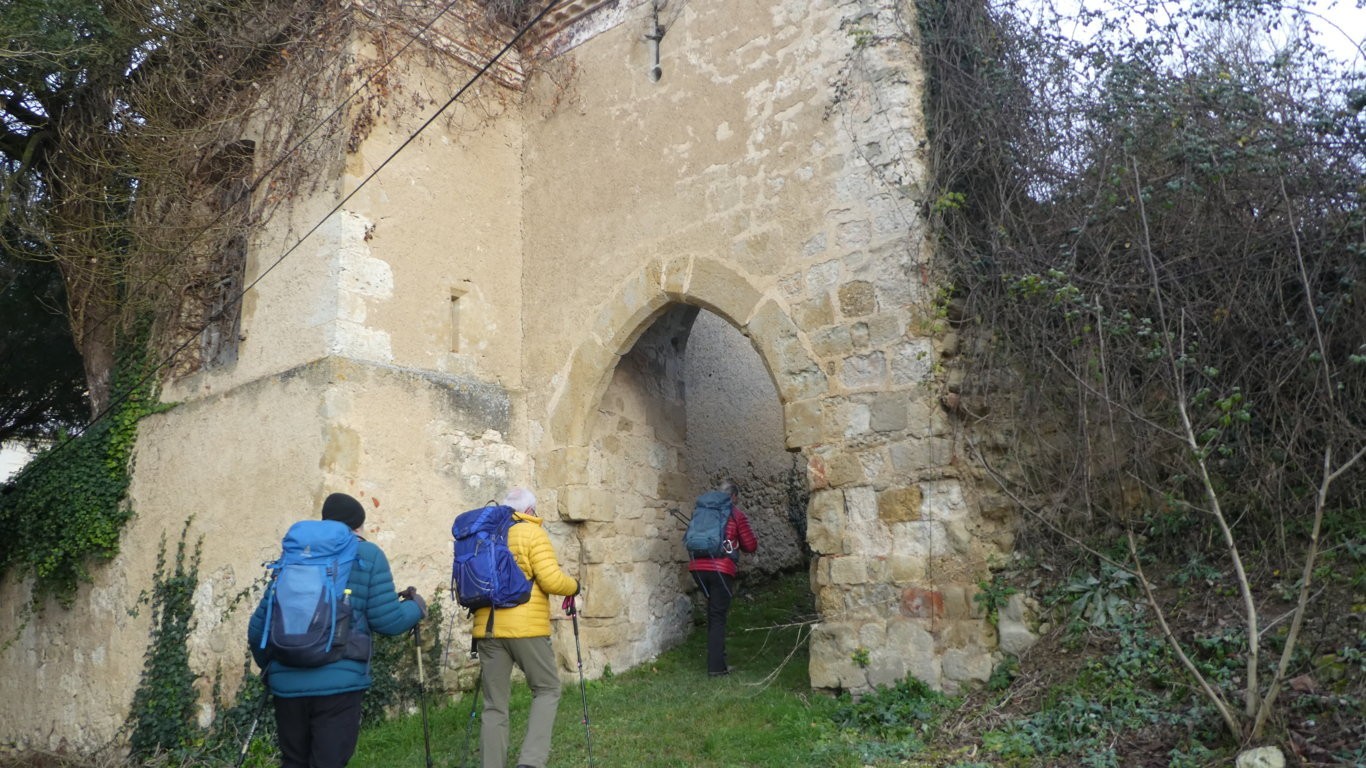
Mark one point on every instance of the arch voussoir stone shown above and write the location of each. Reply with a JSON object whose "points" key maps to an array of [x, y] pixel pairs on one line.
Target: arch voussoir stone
{"points": [[588, 368], [717, 287], [625, 316], [779, 341]]}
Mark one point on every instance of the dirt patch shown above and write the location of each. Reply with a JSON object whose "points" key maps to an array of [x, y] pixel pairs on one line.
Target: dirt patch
{"points": [[1048, 663]]}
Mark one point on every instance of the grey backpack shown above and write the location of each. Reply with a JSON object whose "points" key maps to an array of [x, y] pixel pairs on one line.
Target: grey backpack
{"points": [[706, 534]]}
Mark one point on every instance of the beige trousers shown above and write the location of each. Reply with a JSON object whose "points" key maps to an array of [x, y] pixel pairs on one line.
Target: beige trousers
{"points": [[537, 661]]}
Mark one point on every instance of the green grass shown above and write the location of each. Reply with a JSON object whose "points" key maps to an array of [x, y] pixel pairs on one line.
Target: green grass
{"points": [[669, 712]]}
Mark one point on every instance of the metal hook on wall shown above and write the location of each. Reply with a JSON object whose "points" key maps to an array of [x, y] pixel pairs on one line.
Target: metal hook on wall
{"points": [[655, 35]]}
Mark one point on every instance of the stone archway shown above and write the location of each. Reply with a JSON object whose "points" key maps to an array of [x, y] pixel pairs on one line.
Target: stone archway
{"points": [[616, 428]]}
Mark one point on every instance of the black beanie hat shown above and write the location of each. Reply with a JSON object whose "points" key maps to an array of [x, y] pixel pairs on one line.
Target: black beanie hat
{"points": [[344, 509]]}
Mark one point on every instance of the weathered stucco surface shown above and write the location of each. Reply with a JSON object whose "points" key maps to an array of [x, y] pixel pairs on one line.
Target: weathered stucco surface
{"points": [[510, 301], [732, 406]]}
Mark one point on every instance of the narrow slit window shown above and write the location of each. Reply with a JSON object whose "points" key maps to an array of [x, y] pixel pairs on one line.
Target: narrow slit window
{"points": [[456, 296]]}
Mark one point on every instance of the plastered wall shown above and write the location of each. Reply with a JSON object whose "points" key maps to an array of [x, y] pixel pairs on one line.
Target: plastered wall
{"points": [[355, 374], [735, 419]]}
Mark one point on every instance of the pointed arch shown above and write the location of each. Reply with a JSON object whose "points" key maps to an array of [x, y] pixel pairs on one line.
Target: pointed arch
{"points": [[698, 281]]}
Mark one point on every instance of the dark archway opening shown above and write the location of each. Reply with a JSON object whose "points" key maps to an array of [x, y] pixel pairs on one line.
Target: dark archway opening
{"points": [[689, 404]]}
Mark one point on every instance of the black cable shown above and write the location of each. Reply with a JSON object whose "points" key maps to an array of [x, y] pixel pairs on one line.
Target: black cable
{"points": [[411, 138], [116, 400]]}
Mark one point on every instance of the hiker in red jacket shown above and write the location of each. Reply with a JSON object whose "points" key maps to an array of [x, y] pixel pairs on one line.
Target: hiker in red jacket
{"points": [[716, 577]]}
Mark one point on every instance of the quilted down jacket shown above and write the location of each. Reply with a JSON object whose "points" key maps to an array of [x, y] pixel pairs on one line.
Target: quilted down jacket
{"points": [[535, 555]]}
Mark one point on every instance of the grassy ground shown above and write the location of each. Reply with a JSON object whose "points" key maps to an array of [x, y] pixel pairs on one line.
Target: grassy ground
{"points": [[1089, 695], [669, 712]]}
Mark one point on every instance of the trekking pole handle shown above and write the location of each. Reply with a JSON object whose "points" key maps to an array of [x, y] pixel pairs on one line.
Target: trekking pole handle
{"points": [[568, 606], [417, 646]]}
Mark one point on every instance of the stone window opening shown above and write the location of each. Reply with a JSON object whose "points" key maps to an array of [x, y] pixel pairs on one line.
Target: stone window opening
{"points": [[226, 272]]}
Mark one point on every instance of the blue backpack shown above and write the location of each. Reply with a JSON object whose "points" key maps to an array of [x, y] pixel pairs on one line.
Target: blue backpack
{"points": [[308, 608], [485, 574], [706, 533]]}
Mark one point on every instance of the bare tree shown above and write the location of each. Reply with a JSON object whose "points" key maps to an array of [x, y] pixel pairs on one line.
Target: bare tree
{"points": [[1157, 236]]}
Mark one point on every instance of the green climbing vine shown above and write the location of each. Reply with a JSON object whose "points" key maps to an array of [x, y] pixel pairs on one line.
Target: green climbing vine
{"points": [[396, 686], [163, 713], [67, 510]]}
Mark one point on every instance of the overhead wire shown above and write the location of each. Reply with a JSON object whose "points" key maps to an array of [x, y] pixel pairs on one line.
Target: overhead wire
{"points": [[117, 399]]}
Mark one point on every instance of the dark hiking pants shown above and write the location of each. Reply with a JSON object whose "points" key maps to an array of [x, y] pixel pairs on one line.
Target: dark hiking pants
{"points": [[719, 589], [318, 731]]}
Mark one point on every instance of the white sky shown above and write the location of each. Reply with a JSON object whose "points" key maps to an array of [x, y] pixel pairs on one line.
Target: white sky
{"points": [[12, 459], [1340, 24], [1351, 18]]}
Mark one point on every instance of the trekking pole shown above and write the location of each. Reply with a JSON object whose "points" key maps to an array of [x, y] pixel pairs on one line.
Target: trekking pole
{"points": [[583, 687], [450, 632], [265, 696], [409, 594], [422, 691], [680, 516]]}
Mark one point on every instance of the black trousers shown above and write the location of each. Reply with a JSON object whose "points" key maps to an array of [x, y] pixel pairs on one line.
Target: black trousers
{"points": [[318, 731], [719, 589]]}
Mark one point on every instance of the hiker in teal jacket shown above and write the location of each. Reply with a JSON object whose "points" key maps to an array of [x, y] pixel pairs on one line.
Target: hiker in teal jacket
{"points": [[318, 709]]}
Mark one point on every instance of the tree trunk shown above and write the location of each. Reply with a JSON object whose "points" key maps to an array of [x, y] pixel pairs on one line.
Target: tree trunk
{"points": [[97, 356]]}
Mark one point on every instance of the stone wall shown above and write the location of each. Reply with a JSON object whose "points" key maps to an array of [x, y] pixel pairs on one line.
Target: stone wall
{"points": [[735, 419], [789, 211], [776, 507], [633, 606]]}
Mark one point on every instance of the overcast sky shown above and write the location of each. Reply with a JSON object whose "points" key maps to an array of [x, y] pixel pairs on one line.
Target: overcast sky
{"points": [[1340, 24], [1351, 20]]}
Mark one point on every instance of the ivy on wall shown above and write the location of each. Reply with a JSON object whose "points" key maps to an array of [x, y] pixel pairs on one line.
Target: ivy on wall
{"points": [[396, 686], [163, 713], [66, 511]]}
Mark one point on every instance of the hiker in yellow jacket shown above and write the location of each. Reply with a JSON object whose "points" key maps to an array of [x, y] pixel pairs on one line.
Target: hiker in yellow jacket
{"points": [[521, 636]]}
